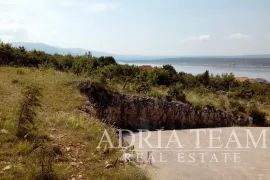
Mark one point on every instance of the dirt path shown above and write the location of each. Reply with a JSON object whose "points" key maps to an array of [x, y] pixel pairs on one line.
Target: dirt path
{"points": [[233, 161]]}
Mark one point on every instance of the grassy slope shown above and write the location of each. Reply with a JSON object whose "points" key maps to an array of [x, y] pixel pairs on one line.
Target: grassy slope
{"points": [[75, 132]]}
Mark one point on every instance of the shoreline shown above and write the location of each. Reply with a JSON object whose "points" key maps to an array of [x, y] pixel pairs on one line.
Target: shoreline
{"points": [[252, 73]]}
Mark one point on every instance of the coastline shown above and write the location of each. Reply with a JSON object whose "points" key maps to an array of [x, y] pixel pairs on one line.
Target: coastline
{"points": [[254, 73]]}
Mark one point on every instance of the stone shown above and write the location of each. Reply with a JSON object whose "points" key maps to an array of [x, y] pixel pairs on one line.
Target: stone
{"points": [[68, 149], [4, 131], [109, 166], [7, 168], [74, 164], [87, 103]]}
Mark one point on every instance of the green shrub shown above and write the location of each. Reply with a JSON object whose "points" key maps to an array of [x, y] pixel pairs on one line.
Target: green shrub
{"points": [[248, 90], [27, 111], [225, 82], [204, 78], [222, 104], [14, 81], [45, 156], [159, 76], [143, 88], [120, 73], [259, 117], [187, 80], [236, 107], [172, 73], [175, 92]]}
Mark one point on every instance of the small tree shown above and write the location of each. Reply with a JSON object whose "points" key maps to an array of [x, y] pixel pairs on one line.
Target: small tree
{"points": [[88, 54], [204, 78], [27, 111], [45, 156]]}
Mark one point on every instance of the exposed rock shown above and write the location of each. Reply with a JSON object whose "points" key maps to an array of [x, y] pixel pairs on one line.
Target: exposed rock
{"points": [[68, 149], [87, 103], [4, 131], [74, 164], [109, 166], [51, 136], [132, 112], [7, 168]]}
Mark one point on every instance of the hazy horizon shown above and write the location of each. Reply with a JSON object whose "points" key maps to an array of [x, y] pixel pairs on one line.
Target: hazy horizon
{"points": [[151, 55]]}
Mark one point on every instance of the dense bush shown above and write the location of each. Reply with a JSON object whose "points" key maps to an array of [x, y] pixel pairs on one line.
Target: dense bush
{"points": [[78, 64], [225, 82], [204, 78], [248, 90], [236, 107], [172, 73], [259, 117], [159, 76], [175, 92], [120, 73], [142, 83], [143, 88], [187, 80]]}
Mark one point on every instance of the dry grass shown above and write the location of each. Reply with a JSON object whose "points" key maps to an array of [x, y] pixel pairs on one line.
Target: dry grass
{"points": [[219, 101], [72, 132], [222, 102]]}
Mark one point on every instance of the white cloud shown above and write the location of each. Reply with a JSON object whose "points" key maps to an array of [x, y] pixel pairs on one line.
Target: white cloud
{"points": [[12, 33], [6, 38], [38, 20], [240, 36], [268, 36], [12, 28], [204, 37]]}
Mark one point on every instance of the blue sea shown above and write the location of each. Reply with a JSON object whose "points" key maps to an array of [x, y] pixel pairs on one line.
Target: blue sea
{"points": [[252, 67]]}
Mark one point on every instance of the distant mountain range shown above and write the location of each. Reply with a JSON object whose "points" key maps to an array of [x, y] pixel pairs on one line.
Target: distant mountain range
{"points": [[79, 51]]}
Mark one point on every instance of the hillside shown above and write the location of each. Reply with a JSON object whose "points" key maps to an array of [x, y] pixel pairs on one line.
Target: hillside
{"points": [[68, 130], [78, 51], [57, 50], [54, 109]]}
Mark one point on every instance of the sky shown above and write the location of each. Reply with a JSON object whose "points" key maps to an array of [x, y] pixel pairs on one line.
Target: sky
{"points": [[141, 27]]}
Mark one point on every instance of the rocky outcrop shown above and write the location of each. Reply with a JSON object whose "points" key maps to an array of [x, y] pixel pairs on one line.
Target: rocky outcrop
{"points": [[133, 112]]}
